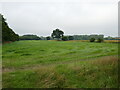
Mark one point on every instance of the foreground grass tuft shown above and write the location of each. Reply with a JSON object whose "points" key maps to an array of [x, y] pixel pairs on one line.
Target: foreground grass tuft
{"points": [[100, 73]]}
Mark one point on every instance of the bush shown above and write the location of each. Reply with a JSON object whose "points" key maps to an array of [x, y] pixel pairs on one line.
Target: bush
{"points": [[99, 40], [65, 38], [48, 38], [92, 39], [70, 37]]}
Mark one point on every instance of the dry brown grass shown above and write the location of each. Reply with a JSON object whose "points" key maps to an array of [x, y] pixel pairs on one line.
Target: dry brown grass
{"points": [[48, 77], [107, 41], [79, 40], [112, 41], [106, 60]]}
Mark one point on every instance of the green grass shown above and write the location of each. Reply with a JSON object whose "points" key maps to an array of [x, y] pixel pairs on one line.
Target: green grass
{"points": [[50, 64]]}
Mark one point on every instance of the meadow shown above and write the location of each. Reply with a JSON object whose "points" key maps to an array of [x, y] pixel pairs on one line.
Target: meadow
{"points": [[59, 64]]}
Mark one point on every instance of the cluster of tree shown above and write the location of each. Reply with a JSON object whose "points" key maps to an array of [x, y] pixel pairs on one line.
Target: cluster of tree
{"points": [[7, 33], [34, 37], [87, 37], [66, 38], [112, 38], [48, 38], [58, 34], [29, 37], [98, 39]]}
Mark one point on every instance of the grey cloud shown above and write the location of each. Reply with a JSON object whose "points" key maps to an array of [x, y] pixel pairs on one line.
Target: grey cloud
{"points": [[73, 18]]}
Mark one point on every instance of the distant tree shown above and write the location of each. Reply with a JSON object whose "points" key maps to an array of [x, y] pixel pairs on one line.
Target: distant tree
{"points": [[108, 38], [48, 38], [30, 37], [99, 40], [65, 38], [87, 37], [92, 39], [70, 37], [57, 34], [43, 38]]}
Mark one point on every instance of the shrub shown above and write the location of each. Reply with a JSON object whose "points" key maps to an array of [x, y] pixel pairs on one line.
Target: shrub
{"points": [[48, 38], [64, 38], [92, 39], [99, 40], [70, 37]]}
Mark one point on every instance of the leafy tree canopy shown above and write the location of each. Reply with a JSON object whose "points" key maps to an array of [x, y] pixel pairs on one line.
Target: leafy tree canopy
{"points": [[57, 34], [7, 33]]}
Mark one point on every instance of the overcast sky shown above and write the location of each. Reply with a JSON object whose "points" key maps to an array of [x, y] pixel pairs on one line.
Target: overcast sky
{"points": [[72, 16]]}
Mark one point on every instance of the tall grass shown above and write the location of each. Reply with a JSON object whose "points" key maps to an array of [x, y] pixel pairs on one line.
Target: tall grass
{"points": [[96, 73], [52, 64]]}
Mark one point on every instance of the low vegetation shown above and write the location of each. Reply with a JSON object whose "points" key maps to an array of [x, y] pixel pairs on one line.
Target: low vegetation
{"points": [[99, 40], [92, 39], [53, 64]]}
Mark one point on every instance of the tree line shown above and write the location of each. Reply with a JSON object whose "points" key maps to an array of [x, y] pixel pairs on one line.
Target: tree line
{"points": [[9, 35], [29, 37], [58, 34]]}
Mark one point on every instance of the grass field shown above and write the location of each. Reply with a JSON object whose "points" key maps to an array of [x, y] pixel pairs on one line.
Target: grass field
{"points": [[59, 64]]}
